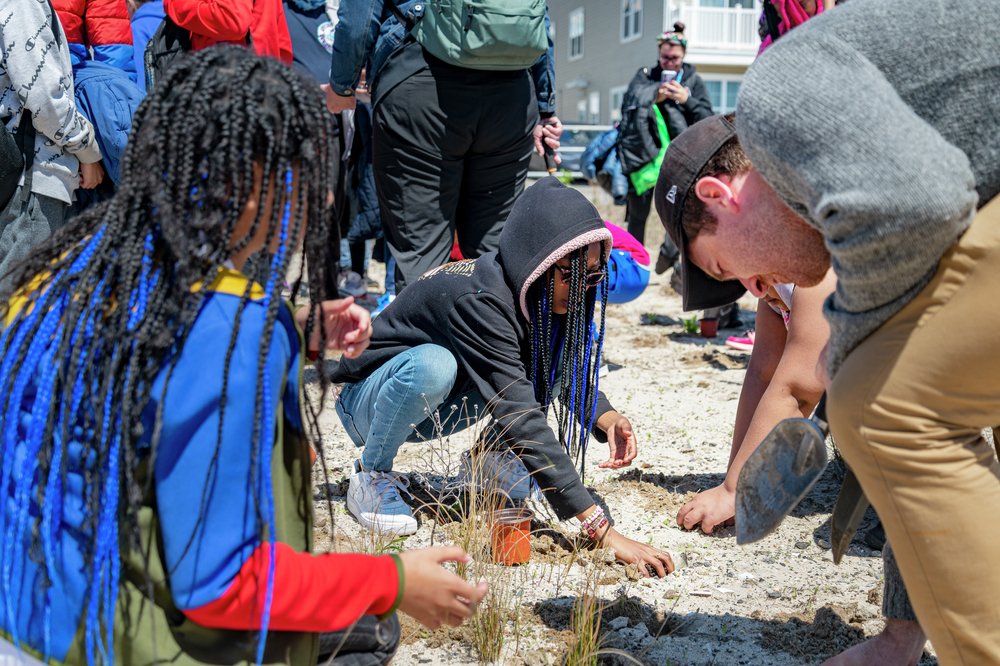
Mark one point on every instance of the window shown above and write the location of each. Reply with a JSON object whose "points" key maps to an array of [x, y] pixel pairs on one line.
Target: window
{"points": [[730, 4], [581, 111], [615, 97], [594, 108], [576, 34], [631, 20], [722, 91]]}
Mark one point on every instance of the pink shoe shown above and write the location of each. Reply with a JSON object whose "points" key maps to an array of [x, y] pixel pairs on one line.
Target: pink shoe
{"points": [[742, 343]]}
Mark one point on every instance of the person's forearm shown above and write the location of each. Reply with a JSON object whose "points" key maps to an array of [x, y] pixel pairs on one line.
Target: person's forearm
{"points": [[310, 593], [753, 389], [768, 349], [38, 75], [354, 38], [777, 403], [607, 420], [543, 73]]}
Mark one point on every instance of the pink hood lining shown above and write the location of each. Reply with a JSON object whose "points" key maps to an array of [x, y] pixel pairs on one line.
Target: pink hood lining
{"points": [[596, 236]]}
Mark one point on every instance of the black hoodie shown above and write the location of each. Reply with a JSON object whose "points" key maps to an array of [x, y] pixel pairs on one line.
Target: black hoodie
{"points": [[477, 310]]}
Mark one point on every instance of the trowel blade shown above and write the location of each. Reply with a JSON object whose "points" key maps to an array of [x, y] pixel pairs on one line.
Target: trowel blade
{"points": [[776, 477], [847, 514]]}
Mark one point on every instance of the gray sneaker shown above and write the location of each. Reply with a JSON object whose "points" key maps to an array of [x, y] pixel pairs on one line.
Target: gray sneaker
{"points": [[373, 498]]}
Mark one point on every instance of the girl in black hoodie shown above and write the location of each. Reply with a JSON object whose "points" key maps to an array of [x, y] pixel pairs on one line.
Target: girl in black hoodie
{"points": [[508, 333]]}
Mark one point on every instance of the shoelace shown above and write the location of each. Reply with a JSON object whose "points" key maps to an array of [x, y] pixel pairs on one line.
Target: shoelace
{"points": [[389, 485]]}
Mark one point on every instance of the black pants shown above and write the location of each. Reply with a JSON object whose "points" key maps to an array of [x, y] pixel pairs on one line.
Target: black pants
{"points": [[367, 643], [636, 213], [451, 155]]}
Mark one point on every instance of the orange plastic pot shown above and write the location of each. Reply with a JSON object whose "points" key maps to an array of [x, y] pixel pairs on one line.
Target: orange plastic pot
{"points": [[709, 328], [509, 536]]}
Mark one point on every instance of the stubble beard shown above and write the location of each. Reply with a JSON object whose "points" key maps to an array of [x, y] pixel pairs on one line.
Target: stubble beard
{"points": [[813, 257]]}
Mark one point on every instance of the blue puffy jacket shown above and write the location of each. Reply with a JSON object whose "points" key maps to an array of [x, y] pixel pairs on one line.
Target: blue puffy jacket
{"points": [[600, 162], [108, 98]]}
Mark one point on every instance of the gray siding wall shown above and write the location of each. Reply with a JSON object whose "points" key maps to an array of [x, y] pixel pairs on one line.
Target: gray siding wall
{"points": [[607, 62]]}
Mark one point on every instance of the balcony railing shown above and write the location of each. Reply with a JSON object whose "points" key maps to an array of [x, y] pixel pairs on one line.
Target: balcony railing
{"points": [[721, 28]]}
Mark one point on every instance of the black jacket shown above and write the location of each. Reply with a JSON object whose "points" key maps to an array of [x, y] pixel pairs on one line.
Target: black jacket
{"points": [[476, 309], [639, 142]]}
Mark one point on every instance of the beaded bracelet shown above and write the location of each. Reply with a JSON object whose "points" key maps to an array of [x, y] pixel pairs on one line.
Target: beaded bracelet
{"points": [[594, 531], [593, 523]]}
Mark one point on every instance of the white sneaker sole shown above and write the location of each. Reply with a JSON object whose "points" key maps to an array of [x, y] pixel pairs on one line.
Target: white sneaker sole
{"points": [[382, 523]]}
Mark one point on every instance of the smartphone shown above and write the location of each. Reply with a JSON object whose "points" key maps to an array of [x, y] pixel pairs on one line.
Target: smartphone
{"points": [[667, 75]]}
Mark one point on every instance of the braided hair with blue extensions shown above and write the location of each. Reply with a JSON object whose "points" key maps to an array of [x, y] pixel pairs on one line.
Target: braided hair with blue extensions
{"points": [[104, 307], [566, 351]]}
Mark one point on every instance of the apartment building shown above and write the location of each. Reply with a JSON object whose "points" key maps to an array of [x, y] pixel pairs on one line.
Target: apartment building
{"points": [[599, 45]]}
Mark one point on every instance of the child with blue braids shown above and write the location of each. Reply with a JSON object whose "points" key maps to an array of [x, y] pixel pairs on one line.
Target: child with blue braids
{"points": [[513, 334], [155, 452]]}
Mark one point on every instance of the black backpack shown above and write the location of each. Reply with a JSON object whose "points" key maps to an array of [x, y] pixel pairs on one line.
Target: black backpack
{"points": [[636, 144], [17, 152], [168, 43]]}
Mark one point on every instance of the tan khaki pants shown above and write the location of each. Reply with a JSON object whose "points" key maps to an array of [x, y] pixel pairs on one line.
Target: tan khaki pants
{"points": [[907, 409]]}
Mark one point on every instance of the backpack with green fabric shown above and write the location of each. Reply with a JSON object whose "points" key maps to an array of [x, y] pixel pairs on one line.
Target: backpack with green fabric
{"points": [[644, 179], [503, 35]]}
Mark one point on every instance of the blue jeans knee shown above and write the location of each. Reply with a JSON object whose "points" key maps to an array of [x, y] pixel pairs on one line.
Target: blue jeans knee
{"points": [[380, 412]]}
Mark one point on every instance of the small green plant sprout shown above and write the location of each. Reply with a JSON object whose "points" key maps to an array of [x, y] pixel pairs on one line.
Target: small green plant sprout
{"points": [[690, 325]]}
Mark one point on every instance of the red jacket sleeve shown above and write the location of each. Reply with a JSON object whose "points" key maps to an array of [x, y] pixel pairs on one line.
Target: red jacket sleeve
{"points": [[313, 593], [216, 20], [107, 22]]}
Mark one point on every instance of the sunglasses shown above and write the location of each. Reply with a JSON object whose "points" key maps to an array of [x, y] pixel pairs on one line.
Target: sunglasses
{"points": [[594, 278]]}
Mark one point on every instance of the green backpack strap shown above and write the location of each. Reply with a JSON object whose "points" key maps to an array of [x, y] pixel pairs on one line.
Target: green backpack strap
{"points": [[644, 179]]}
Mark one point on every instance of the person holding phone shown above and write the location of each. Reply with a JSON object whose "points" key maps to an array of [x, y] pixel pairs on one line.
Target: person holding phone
{"points": [[681, 98]]}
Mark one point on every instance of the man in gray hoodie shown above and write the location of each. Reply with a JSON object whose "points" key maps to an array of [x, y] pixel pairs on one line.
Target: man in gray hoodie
{"points": [[858, 151], [36, 74]]}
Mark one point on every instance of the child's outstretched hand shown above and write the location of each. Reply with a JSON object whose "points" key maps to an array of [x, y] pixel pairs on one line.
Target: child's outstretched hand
{"points": [[432, 595], [621, 441], [348, 327]]}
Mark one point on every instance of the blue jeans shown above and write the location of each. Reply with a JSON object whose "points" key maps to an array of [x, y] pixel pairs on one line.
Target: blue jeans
{"points": [[390, 272], [404, 401]]}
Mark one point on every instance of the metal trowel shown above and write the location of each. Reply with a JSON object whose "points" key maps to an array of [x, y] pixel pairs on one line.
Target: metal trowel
{"points": [[782, 470]]}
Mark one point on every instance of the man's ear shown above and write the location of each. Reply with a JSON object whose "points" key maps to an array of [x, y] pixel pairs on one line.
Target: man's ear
{"points": [[714, 193]]}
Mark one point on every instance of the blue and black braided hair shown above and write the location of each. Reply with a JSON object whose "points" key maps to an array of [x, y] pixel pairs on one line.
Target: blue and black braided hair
{"points": [[105, 305], [566, 351]]}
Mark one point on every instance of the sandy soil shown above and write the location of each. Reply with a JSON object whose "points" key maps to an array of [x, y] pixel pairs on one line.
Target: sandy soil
{"points": [[781, 601]]}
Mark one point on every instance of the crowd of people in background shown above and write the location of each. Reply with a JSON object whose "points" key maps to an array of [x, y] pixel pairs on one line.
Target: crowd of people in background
{"points": [[164, 162]]}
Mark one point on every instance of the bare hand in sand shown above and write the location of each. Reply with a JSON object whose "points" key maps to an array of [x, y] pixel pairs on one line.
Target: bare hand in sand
{"points": [[711, 508], [633, 552]]}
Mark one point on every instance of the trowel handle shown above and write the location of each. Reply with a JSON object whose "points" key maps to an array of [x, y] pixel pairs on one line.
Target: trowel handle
{"points": [[819, 415], [550, 162]]}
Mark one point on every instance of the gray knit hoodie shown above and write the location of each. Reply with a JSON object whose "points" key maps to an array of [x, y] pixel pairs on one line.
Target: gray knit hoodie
{"points": [[35, 72], [879, 123]]}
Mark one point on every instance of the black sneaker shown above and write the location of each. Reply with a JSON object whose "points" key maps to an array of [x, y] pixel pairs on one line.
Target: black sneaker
{"points": [[665, 259], [729, 316], [677, 278]]}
